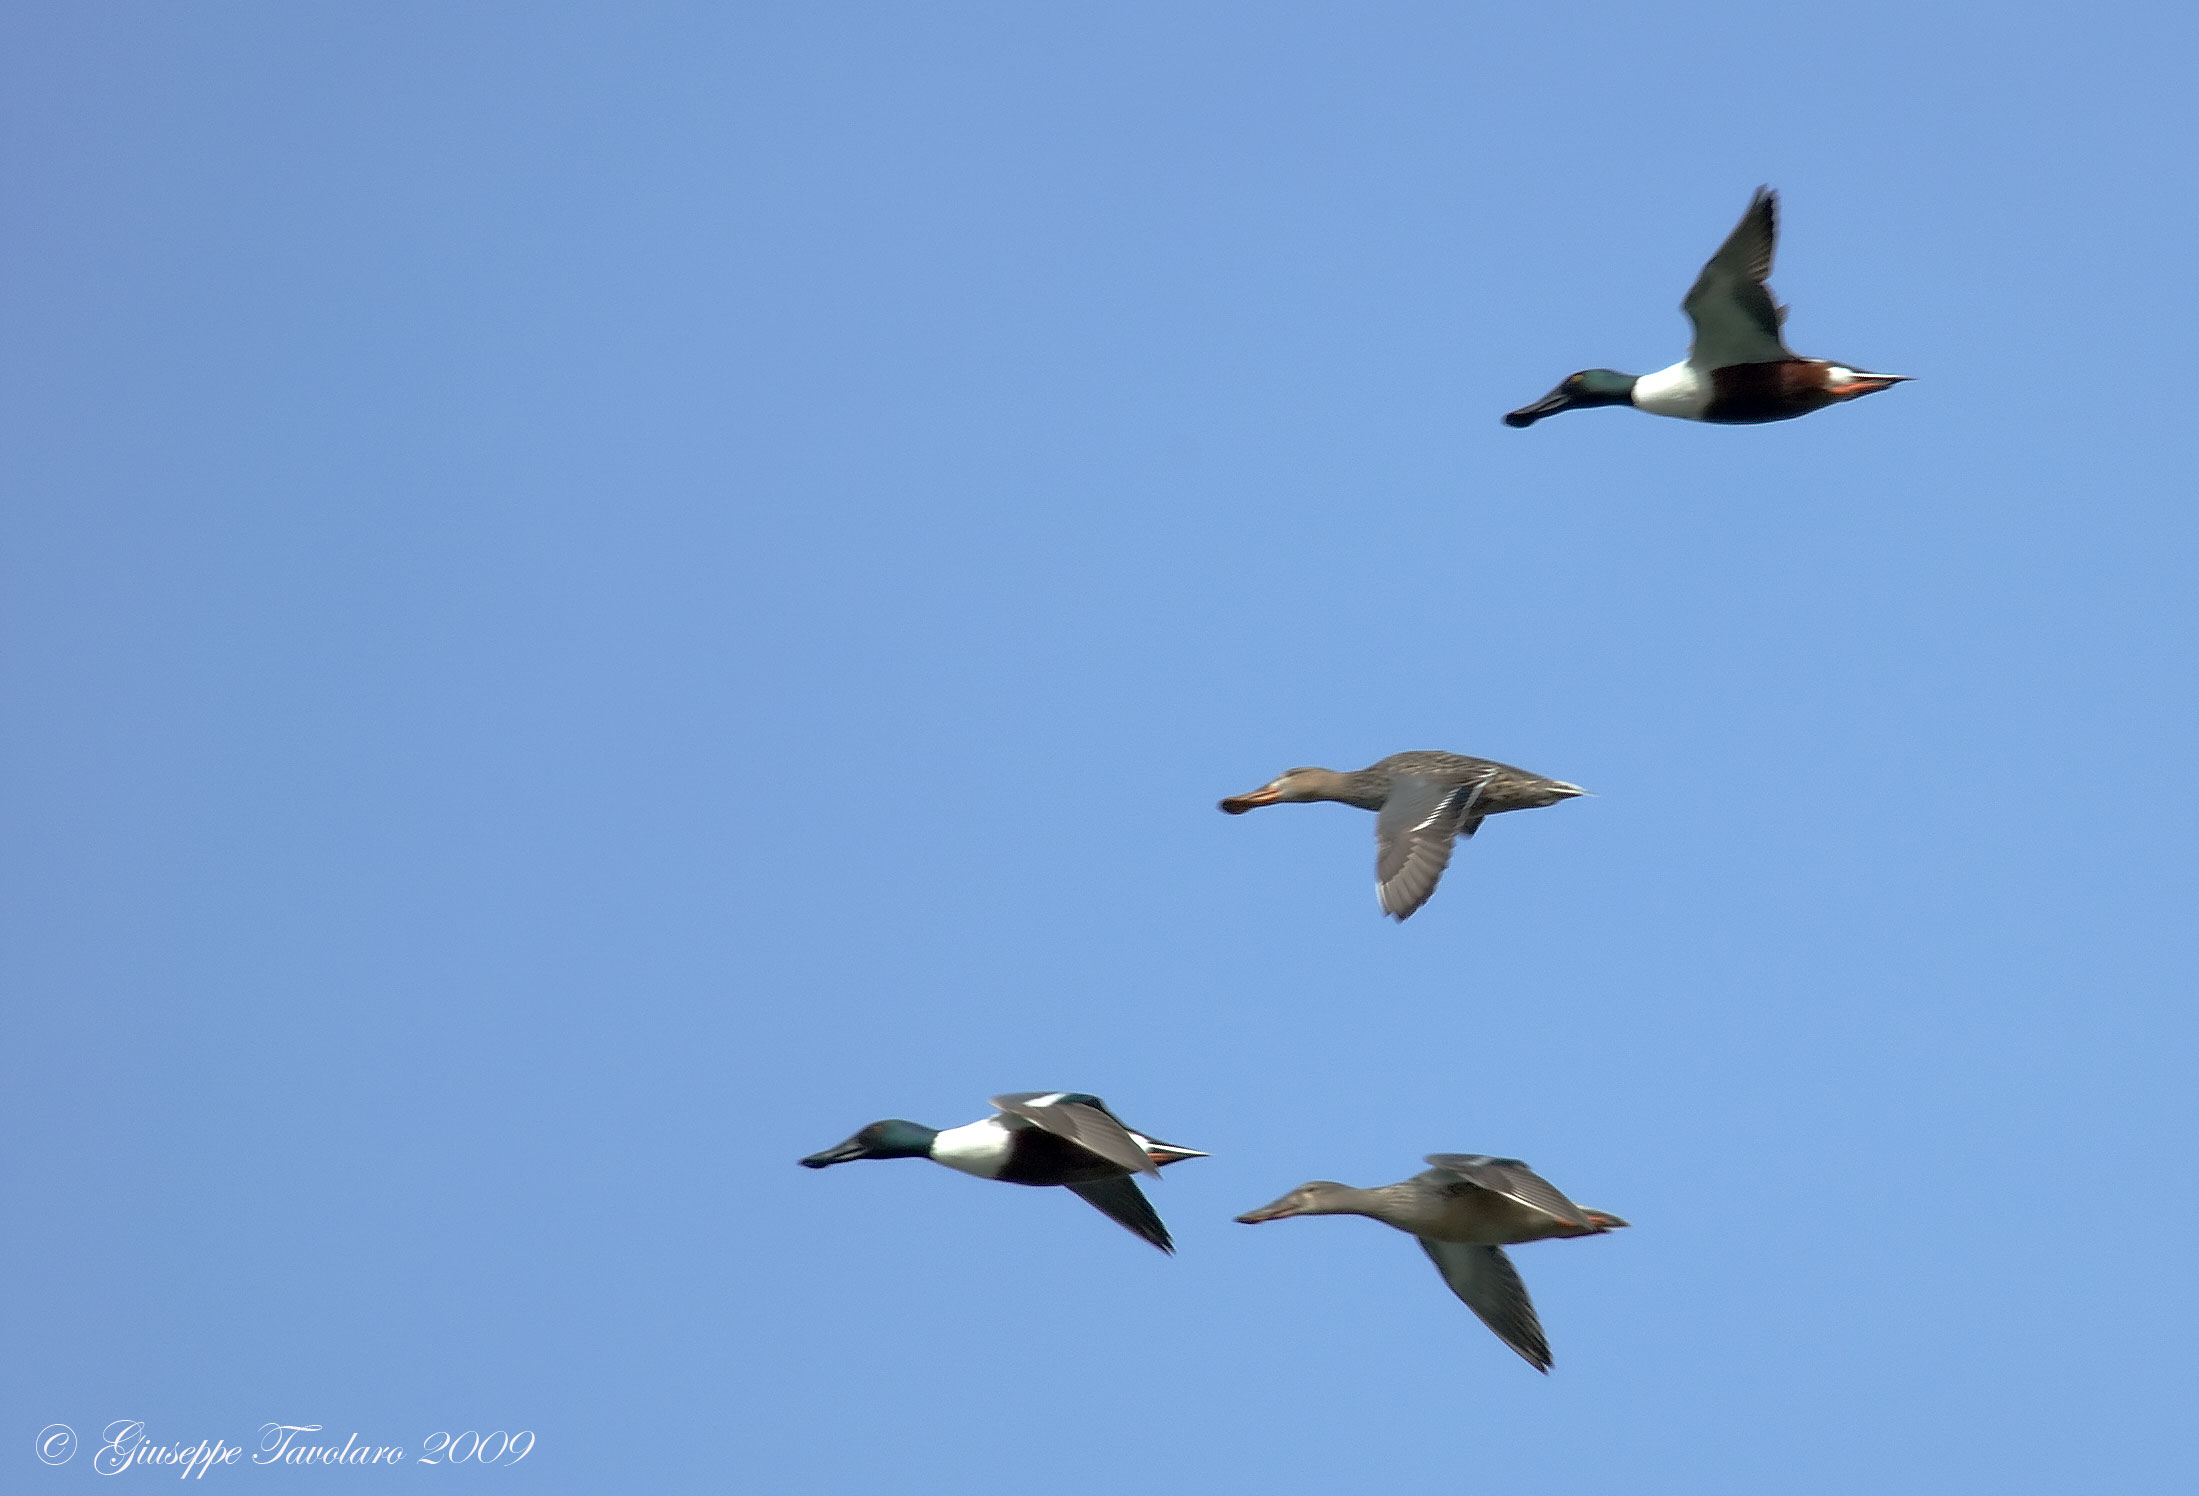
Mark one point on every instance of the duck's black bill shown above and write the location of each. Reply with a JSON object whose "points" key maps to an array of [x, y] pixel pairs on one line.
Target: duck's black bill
{"points": [[839, 1153], [1549, 405]]}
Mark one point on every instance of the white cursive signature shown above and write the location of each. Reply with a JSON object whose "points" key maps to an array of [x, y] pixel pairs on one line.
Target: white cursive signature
{"points": [[126, 1446]]}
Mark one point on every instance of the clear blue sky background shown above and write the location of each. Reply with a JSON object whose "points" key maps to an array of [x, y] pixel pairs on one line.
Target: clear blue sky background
{"points": [[597, 596]]}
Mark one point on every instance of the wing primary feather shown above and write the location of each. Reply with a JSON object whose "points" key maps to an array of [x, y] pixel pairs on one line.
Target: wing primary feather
{"points": [[1487, 1283], [1121, 1201]]}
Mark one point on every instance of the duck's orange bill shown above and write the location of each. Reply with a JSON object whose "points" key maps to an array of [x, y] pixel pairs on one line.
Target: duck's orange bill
{"points": [[1237, 805]]}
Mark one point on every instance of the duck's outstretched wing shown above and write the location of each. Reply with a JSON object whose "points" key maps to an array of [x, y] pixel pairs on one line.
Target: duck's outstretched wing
{"points": [[1484, 1278], [1513, 1180], [1736, 320], [1083, 1120], [1121, 1201], [1413, 836]]}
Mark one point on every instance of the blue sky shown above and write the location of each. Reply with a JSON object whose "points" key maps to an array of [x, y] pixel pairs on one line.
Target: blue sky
{"points": [[597, 596]]}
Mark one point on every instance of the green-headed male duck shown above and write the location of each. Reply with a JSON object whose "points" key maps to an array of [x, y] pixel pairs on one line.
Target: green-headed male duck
{"points": [[1425, 800], [1740, 371], [1036, 1137], [1465, 1211]]}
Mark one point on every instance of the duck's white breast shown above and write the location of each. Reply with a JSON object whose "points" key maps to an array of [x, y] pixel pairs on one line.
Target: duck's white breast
{"points": [[1682, 390], [981, 1148]]}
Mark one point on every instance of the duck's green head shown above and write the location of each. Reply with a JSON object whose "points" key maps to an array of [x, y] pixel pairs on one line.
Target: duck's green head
{"points": [[1578, 392], [892, 1138]]}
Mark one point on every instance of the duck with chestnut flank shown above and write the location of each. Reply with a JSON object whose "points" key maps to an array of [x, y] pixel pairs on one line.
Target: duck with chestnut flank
{"points": [[1740, 371], [1464, 1212], [1039, 1138], [1424, 800]]}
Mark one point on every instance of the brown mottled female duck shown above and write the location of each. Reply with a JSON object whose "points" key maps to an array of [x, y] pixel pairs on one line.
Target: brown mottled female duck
{"points": [[1465, 1211], [1425, 800], [1740, 371]]}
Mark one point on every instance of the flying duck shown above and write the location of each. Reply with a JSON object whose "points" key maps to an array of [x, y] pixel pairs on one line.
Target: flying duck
{"points": [[1465, 1211], [1036, 1137], [1425, 801], [1740, 371]]}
